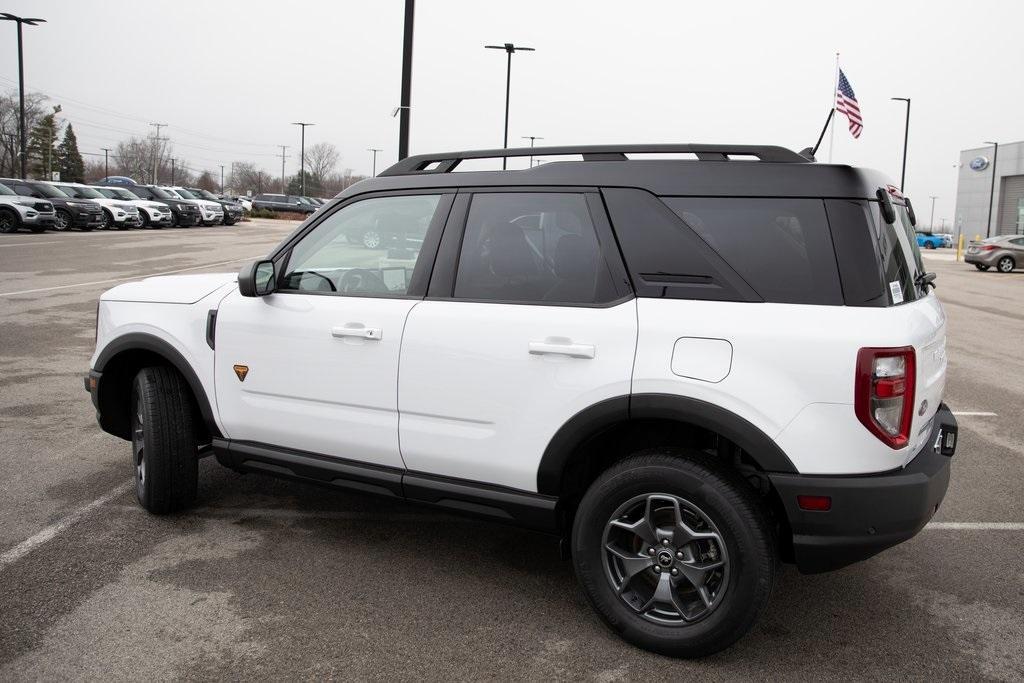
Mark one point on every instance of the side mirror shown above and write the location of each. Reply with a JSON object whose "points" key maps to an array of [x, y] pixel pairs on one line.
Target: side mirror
{"points": [[256, 278]]}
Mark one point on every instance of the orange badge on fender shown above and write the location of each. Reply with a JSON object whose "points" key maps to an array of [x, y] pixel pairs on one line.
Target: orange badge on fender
{"points": [[241, 371]]}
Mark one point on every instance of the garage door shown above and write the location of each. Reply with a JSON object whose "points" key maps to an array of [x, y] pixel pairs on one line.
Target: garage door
{"points": [[1011, 206]]}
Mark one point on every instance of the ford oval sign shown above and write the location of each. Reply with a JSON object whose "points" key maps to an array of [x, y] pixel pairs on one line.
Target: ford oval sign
{"points": [[979, 163]]}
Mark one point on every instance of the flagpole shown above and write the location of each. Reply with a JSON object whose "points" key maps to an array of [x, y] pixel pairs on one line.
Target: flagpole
{"points": [[832, 131]]}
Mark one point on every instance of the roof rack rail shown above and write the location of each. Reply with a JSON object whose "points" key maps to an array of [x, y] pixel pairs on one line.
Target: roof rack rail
{"points": [[446, 162]]}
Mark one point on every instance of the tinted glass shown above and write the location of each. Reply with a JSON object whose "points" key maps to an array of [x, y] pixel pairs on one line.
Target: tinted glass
{"points": [[185, 194], [532, 247], [333, 256], [157, 192], [781, 247], [4, 190], [48, 191], [900, 256]]}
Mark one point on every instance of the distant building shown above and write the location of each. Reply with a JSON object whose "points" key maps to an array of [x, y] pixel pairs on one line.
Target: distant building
{"points": [[974, 183]]}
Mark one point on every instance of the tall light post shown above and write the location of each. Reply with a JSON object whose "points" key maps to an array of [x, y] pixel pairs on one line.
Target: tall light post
{"points": [[156, 151], [222, 178], [106, 169], [31, 21], [374, 150], [509, 48], [531, 138], [906, 136], [283, 157], [302, 156], [992, 189], [931, 221], [405, 105]]}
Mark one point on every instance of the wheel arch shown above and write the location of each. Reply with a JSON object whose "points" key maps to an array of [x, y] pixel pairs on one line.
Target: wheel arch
{"points": [[118, 364], [654, 418]]}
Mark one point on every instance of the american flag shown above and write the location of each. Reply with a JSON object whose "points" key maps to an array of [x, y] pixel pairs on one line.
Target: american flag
{"points": [[846, 103]]}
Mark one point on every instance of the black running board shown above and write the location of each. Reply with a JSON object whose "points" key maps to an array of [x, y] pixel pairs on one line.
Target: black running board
{"points": [[521, 508]]}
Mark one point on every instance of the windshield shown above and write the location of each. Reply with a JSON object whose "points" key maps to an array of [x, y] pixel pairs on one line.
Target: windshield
{"points": [[107, 192], [160, 192], [184, 194], [80, 192], [6, 190], [205, 194], [125, 194], [172, 194], [49, 191]]}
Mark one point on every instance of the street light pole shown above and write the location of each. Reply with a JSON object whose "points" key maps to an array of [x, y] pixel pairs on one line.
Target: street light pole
{"points": [[992, 189], [531, 138], [222, 178], [906, 136], [283, 157], [156, 150], [509, 48], [374, 150], [106, 169], [302, 156], [31, 21], [404, 107], [931, 221], [172, 169]]}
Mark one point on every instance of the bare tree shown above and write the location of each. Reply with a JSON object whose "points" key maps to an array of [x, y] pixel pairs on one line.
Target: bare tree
{"points": [[321, 159], [34, 110], [247, 178], [206, 181]]}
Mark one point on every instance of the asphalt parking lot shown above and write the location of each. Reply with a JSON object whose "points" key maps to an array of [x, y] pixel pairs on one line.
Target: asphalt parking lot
{"points": [[269, 579]]}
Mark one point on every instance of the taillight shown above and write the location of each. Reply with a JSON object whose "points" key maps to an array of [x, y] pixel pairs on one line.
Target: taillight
{"points": [[988, 247], [884, 393]]}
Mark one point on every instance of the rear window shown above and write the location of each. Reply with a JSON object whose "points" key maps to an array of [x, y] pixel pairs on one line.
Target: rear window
{"points": [[900, 256], [782, 248]]}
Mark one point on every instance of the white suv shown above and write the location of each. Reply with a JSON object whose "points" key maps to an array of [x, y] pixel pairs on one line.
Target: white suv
{"points": [[686, 370], [152, 214], [116, 213], [212, 212], [18, 212]]}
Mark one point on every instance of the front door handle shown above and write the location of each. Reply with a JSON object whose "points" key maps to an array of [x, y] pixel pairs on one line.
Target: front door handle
{"points": [[357, 331], [560, 347]]}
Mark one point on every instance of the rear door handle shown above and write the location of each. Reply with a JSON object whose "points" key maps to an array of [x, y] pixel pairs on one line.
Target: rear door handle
{"points": [[358, 331], [561, 348]]}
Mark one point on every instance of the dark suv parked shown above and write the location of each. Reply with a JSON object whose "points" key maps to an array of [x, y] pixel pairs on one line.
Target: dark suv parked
{"points": [[83, 214], [282, 202], [232, 210], [184, 213]]}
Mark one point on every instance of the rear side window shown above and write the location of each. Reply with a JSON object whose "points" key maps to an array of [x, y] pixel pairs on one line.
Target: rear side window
{"points": [[781, 247], [532, 247]]}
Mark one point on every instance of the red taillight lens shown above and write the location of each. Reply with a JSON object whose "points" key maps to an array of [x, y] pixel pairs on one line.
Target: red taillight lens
{"points": [[884, 393], [988, 247], [815, 503]]}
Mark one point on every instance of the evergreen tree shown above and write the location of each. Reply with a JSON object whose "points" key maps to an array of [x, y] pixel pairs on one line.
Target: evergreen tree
{"points": [[312, 184], [71, 166], [42, 147]]}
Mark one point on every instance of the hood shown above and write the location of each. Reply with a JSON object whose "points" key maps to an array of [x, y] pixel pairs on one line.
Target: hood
{"points": [[171, 289]]}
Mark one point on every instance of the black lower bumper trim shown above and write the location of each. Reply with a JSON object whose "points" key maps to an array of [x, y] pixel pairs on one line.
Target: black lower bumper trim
{"points": [[868, 513]]}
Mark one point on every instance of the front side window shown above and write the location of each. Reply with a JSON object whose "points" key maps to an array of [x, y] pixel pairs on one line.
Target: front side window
{"points": [[369, 248], [532, 247]]}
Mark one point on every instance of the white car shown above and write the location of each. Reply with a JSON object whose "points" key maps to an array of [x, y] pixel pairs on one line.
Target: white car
{"points": [[18, 212], [153, 214], [213, 212], [116, 213], [685, 370]]}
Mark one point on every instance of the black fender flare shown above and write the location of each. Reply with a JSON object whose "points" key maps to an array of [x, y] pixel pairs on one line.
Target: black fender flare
{"points": [[605, 414], [142, 341]]}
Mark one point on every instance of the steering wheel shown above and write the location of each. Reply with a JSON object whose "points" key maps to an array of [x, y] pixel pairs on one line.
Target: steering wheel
{"points": [[361, 281]]}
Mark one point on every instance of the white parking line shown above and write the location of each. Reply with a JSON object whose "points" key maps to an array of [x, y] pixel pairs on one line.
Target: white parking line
{"points": [[976, 526], [28, 545], [973, 413], [133, 277], [30, 244]]}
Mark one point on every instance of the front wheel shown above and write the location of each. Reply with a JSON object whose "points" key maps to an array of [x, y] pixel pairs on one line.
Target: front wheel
{"points": [[675, 552], [929, 245], [62, 221], [164, 447], [1006, 264], [108, 221]]}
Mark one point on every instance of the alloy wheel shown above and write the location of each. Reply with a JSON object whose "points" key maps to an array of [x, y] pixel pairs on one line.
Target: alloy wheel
{"points": [[62, 221], [7, 222], [371, 239], [665, 559], [138, 449], [1005, 264]]}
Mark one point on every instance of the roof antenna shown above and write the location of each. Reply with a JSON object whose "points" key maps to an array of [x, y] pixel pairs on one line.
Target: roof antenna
{"points": [[809, 152]]}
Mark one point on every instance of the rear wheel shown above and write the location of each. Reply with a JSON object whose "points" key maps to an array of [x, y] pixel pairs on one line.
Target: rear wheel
{"points": [[9, 222], [1006, 264], [164, 446], [675, 553], [929, 245]]}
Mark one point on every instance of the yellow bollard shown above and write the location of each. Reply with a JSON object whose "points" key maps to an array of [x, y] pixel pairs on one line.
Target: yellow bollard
{"points": [[960, 248]]}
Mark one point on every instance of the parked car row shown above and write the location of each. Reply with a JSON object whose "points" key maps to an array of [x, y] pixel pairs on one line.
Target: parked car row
{"points": [[38, 205], [287, 202]]}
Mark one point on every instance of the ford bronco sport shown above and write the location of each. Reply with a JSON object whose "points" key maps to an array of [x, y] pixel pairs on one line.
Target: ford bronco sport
{"points": [[686, 369]]}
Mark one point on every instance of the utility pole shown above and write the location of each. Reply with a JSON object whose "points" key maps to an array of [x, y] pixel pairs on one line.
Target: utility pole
{"points": [[509, 49], [531, 138], [374, 150], [405, 105], [31, 21], [172, 169], [906, 136], [931, 221], [992, 189], [302, 156], [222, 178], [106, 168], [156, 149], [283, 157]]}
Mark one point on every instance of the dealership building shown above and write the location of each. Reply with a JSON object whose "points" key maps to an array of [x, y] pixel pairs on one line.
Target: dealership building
{"points": [[974, 188]]}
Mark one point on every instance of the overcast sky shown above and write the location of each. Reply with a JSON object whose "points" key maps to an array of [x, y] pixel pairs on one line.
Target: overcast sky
{"points": [[229, 77]]}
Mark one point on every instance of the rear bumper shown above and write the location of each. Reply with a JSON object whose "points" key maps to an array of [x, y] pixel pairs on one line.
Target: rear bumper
{"points": [[868, 513]]}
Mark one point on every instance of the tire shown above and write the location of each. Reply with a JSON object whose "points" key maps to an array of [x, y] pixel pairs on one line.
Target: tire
{"points": [[929, 245], [145, 219], [736, 559], [164, 447], [9, 221], [371, 239], [1006, 264], [63, 221], [981, 266], [108, 221]]}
